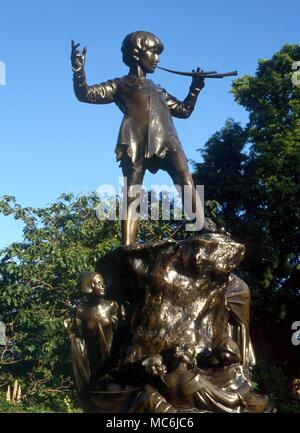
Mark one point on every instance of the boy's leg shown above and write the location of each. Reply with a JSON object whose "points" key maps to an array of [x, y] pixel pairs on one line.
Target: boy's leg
{"points": [[177, 167], [130, 222]]}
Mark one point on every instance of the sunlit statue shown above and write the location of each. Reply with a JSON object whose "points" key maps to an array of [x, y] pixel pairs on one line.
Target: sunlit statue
{"points": [[225, 388], [91, 331], [192, 332], [183, 341], [147, 138]]}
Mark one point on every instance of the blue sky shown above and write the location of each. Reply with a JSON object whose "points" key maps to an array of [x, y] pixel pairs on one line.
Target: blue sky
{"points": [[51, 143]]}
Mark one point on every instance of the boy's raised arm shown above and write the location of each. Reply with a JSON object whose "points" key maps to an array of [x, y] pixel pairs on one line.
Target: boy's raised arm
{"points": [[103, 93]]}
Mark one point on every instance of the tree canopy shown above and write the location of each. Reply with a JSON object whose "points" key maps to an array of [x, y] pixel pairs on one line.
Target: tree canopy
{"points": [[254, 175]]}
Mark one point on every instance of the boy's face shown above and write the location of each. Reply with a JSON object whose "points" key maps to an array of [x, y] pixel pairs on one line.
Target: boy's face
{"points": [[148, 59]]}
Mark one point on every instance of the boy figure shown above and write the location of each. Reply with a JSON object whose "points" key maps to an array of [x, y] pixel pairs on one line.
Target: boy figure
{"points": [[147, 137]]}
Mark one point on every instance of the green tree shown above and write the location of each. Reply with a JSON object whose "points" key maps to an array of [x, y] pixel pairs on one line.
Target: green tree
{"points": [[38, 279], [273, 166], [254, 174], [39, 287], [222, 172]]}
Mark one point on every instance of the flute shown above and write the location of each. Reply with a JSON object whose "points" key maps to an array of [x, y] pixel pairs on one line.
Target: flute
{"points": [[209, 74]]}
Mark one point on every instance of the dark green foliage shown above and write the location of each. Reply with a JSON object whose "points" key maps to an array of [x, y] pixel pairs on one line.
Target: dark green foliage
{"points": [[222, 172], [259, 189], [254, 175], [271, 380], [38, 280], [39, 286]]}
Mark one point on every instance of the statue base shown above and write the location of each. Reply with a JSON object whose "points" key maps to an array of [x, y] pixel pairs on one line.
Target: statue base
{"points": [[179, 341]]}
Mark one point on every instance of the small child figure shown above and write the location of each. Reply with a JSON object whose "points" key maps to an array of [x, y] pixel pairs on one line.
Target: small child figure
{"points": [[147, 139], [91, 331]]}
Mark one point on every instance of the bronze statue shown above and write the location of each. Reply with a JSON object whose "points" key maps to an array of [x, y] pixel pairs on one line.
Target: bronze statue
{"points": [[187, 388], [183, 343], [187, 344], [91, 331], [147, 137]]}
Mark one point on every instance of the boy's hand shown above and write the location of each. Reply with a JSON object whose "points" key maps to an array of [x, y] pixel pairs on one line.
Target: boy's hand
{"points": [[198, 82], [77, 57]]}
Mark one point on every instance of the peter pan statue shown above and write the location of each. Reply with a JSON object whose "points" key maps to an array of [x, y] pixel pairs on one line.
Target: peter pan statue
{"points": [[147, 138]]}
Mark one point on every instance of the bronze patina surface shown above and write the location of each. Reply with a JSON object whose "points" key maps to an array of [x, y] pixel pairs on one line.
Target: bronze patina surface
{"points": [[147, 137], [164, 326], [183, 341]]}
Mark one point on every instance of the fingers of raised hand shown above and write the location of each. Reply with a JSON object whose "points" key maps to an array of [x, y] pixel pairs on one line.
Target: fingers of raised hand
{"points": [[74, 46]]}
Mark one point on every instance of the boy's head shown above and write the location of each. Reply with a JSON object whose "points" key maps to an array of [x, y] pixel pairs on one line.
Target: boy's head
{"points": [[142, 48]]}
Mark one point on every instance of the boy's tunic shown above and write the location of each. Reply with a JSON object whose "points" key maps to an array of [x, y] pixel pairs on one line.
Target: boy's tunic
{"points": [[147, 128]]}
